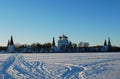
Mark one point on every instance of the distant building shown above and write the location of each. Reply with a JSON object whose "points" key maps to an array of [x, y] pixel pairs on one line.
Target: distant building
{"points": [[63, 43], [11, 46]]}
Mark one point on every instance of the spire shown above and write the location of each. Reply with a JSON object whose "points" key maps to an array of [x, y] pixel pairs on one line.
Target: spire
{"points": [[11, 41], [109, 42], [105, 43], [53, 43]]}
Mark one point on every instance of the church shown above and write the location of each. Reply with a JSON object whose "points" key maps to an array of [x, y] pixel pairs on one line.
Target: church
{"points": [[62, 44]]}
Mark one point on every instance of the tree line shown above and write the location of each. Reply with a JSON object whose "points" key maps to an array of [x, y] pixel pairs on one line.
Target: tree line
{"points": [[46, 47]]}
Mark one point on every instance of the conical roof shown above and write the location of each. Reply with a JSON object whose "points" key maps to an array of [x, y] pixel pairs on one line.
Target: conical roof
{"points": [[109, 42], [11, 41], [53, 43], [105, 43]]}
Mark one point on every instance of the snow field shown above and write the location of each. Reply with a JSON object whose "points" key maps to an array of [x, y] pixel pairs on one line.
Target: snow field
{"points": [[60, 66]]}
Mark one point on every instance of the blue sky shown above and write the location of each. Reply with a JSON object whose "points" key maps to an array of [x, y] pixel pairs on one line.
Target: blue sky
{"points": [[32, 21]]}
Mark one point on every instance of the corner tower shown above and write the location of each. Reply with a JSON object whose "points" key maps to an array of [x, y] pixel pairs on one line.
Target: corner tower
{"points": [[11, 46], [109, 42], [53, 47]]}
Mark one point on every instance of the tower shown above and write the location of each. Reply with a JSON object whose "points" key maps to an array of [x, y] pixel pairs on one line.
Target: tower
{"points": [[53, 47], [53, 43], [105, 43], [11, 41], [10, 46], [105, 47], [109, 42]]}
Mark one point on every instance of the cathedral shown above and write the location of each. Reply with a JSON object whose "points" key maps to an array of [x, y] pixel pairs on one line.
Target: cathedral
{"points": [[62, 44]]}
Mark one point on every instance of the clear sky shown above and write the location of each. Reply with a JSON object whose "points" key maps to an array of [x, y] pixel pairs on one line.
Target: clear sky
{"points": [[32, 21]]}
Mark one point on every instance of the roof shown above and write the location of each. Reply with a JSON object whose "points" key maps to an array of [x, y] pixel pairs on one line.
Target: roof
{"points": [[63, 36]]}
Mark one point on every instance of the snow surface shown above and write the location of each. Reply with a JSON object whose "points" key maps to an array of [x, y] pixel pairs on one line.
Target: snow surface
{"points": [[60, 66]]}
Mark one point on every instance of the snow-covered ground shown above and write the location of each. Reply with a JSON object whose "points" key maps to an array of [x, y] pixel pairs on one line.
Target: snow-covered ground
{"points": [[60, 66]]}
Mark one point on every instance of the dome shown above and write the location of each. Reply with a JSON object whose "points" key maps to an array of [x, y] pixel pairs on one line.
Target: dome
{"points": [[63, 37]]}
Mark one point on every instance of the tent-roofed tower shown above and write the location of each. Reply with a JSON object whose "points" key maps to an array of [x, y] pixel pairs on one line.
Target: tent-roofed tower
{"points": [[53, 43], [53, 47], [109, 42], [11, 41], [11, 46], [105, 43], [105, 47]]}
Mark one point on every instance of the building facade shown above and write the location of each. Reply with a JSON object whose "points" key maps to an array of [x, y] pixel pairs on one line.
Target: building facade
{"points": [[63, 43]]}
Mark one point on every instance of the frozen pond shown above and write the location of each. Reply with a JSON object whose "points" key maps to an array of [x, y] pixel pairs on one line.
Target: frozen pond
{"points": [[60, 66]]}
